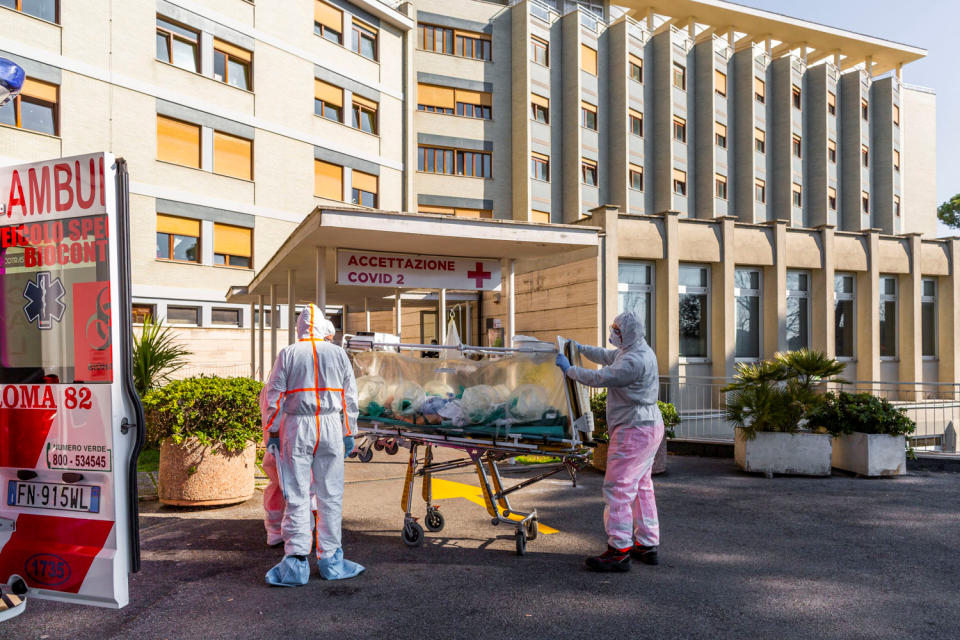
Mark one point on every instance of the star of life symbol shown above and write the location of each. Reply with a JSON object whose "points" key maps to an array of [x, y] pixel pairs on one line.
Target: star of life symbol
{"points": [[45, 300]]}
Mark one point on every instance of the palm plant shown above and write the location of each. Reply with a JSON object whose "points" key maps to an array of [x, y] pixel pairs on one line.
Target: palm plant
{"points": [[156, 356], [781, 393]]}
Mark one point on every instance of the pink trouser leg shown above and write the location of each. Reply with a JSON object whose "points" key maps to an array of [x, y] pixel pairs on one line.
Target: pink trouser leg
{"points": [[630, 506], [273, 501]]}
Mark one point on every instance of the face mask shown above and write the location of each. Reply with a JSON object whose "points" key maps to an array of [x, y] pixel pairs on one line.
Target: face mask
{"points": [[615, 338]]}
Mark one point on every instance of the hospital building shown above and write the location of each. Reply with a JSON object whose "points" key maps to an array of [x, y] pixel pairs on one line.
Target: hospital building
{"points": [[749, 182]]}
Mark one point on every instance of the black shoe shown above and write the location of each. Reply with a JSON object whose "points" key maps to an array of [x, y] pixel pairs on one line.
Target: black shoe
{"points": [[611, 560], [646, 555]]}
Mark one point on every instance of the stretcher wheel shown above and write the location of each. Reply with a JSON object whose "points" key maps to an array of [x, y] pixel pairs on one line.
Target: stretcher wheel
{"points": [[434, 520], [521, 542], [366, 455], [391, 448], [412, 534], [378, 445], [533, 529], [353, 454]]}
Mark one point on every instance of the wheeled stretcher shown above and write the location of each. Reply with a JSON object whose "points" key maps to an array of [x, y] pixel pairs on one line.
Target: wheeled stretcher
{"points": [[491, 404]]}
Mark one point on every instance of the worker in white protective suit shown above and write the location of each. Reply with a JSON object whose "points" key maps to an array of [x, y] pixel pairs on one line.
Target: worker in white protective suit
{"points": [[635, 426], [311, 400]]}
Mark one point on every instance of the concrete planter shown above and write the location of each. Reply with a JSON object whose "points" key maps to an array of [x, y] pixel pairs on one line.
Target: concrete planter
{"points": [[804, 454], [870, 454], [599, 460], [192, 475]]}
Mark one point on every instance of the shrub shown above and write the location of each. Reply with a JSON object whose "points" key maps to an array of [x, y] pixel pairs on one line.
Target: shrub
{"points": [[598, 405], [155, 356], [861, 412], [222, 412]]}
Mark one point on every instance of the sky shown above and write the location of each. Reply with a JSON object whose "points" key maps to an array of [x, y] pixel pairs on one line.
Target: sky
{"points": [[929, 24]]}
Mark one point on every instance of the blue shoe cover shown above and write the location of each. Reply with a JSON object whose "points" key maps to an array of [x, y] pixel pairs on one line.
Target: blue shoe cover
{"points": [[334, 567], [291, 572]]}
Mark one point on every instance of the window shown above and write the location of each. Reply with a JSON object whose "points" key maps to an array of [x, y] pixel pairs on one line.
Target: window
{"points": [[888, 317], [797, 146], [760, 191], [327, 180], [759, 90], [694, 310], [746, 291], [589, 170], [831, 103], [865, 155], [588, 116], [798, 310], [832, 198], [760, 140], [460, 213], [864, 109], [178, 142], [679, 182], [896, 160], [896, 115], [540, 166], [797, 195], [327, 101], [636, 123], [232, 246], [720, 135], [896, 206], [364, 189], [473, 104], [140, 312], [635, 291], [832, 151], [178, 239], [636, 177], [720, 186], [588, 59], [540, 108], [231, 65], [178, 45], [328, 22], [679, 129], [472, 45], [438, 39], [865, 201], [364, 114], [35, 109], [43, 9], [183, 315], [928, 318], [636, 68], [795, 93], [232, 156], [844, 319], [364, 40], [475, 164], [226, 317], [679, 76], [540, 51], [720, 82], [435, 99]]}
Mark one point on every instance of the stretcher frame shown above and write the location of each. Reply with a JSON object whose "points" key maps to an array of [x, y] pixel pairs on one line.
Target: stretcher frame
{"points": [[484, 454]]}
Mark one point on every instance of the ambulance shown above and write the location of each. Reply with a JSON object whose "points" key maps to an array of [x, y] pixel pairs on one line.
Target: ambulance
{"points": [[71, 424]]}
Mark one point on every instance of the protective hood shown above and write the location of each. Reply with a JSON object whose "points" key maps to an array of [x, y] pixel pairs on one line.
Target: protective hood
{"points": [[631, 329], [312, 325]]}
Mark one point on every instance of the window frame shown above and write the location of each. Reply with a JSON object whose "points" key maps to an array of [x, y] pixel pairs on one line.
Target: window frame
{"points": [[719, 139], [632, 117], [886, 298], [539, 159], [171, 35], [717, 76], [679, 73], [681, 183], [458, 159], [796, 146], [587, 167], [683, 290], [356, 112], [632, 64], [478, 43], [760, 188], [17, 105], [237, 310], [865, 109], [680, 127], [851, 297], [360, 30], [865, 155], [136, 312], [199, 316], [539, 44], [865, 202], [832, 151], [228, 57], [831, 103], [649, 290], [171, 239], [759, 96], [832, 198], [536, 108], [746, 292], [634, 170], [720, 185], [445, 31], [586, 110], [803, 294], [759, 140], [228, 256], [796, 195], [56, 12], [796, 97], [926, 299]]}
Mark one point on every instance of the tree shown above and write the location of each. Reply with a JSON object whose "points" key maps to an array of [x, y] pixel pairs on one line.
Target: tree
{"points": [[949, 212]]}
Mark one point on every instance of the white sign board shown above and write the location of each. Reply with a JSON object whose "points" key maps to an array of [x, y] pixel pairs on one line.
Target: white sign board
{"points": [[413, 271]]}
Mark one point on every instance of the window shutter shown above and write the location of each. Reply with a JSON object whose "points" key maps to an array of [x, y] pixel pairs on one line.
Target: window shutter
{"points": [[540, 100], [178, 142], [178, 226], [232, 156], [435, 96], [232, 241], [363, 102], [233, 50], [39, 90], [588, 59], [472, 97], [327, 180], [328, 16], [364, 181], [328, 93]]}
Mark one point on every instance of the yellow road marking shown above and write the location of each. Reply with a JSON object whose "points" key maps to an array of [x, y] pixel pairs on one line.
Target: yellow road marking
{"points": [[446, 489]]}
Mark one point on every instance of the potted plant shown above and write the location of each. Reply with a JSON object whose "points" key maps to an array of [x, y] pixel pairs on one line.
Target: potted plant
{"points": [[869, 433], [207, 429], [770, 404], [598, 405]]}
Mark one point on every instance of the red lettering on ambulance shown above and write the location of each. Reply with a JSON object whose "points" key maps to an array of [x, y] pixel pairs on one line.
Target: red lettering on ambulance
{"points": [[62, 186], [40, 193], [16, 195]]}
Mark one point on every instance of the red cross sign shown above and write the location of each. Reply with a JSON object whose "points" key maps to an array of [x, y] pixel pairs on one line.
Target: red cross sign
{"points": [[479, 275]]}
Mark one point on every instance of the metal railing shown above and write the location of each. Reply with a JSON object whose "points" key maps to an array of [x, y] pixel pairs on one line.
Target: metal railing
{"points": [[223, 370]]}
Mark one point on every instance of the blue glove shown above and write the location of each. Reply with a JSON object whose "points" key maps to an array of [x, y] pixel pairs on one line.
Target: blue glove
{"points": [[348, 445], [562, 362], [273, 441]]}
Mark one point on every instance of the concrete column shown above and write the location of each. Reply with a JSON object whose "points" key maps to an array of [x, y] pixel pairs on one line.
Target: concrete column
{"points": [[507, 278], [206, 53], [823, 324], [948, 301], [291, 306], [607, 218], [206, 242], [274, 323], [868, 312], [321, 283], [668, 303], [723, 304], [262, 323], [774, 300], [366, 313], [909, 323], [442, 315], [398, 314], [253, 341]]}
